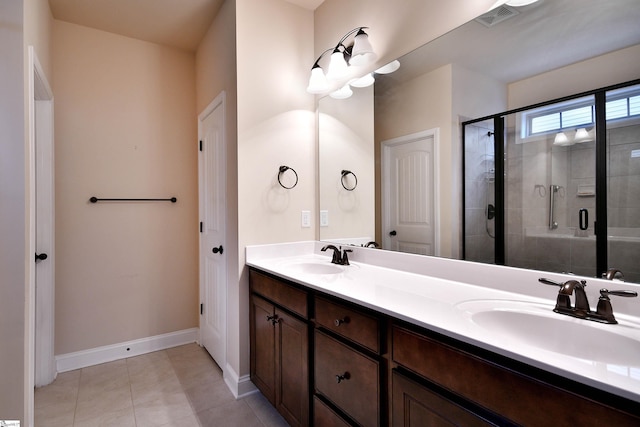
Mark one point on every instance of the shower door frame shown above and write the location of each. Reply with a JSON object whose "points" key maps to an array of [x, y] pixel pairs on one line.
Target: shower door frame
{"points": [[601, 225]]}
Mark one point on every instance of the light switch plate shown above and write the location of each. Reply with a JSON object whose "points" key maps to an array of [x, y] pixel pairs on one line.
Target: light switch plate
{"points": [[305, 219], [324, 218]]}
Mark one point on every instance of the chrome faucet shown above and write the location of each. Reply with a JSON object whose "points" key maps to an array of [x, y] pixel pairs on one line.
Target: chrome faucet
{"points": [[338, 257], [581, 310]]}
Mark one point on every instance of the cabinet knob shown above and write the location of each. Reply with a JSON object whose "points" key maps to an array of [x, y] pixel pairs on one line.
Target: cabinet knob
{"points": [[342, 377], [339, 322], [273, 319]]}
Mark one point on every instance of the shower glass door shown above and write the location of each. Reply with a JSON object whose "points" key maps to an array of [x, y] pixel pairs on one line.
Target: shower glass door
{"points": [[550, 190], [547, 199], [623, 181]]}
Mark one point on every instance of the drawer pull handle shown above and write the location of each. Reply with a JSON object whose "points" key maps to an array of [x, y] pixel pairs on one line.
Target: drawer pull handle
{"points": [[272, 319], [343, 377], [339, 322]]}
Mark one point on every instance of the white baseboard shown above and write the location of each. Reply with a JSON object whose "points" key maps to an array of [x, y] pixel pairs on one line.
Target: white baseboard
{"points": [[109, 353], [239, 386]]}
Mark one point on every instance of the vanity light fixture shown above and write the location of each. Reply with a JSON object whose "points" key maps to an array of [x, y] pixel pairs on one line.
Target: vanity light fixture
{"points": [[358, 53]]}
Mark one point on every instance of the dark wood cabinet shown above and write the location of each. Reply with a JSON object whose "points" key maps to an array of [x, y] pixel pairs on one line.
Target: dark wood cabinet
{"points": [[414, 405], [512, 394], [330, 363], [280, 352], [263, 344]]}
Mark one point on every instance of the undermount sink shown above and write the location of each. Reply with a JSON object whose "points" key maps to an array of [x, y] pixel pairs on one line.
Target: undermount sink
{"points": [[536, 325], [313, 267]]}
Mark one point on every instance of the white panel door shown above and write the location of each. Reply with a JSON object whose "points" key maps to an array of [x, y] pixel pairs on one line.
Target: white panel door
{"points": [[212, 187], [409, 219]]}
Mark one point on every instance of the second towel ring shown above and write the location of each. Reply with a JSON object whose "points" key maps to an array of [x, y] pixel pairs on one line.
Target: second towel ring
{"points": [[282, 170], [345, 173]]}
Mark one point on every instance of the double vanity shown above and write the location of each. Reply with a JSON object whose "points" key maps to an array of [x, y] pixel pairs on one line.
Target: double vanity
{"points": [[399, 339]]}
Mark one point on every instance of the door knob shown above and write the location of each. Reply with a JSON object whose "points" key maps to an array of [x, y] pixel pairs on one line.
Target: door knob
{"points": [[392, 233], [218, 249], [41, 257]]}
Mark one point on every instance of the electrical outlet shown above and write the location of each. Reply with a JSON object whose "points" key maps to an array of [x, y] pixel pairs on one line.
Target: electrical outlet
{"points": [[305, 219], [324, 218]]}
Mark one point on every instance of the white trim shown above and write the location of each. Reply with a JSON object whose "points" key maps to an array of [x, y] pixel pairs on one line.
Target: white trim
{"points": [[239, 386], [109, 353]]}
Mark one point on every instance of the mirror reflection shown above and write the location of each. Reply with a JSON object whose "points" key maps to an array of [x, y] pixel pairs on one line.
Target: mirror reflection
{"points": [[484, 67]]}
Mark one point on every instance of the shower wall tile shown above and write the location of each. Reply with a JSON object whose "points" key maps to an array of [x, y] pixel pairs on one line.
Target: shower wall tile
{"points": [[620, 161], [583, 162], [624, 135], [583, 253], [554, 250], [624, 192]]}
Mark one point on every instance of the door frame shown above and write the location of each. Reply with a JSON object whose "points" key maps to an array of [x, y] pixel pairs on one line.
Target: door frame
{"points": [[218, 102], [386, 185], [42, 366]]}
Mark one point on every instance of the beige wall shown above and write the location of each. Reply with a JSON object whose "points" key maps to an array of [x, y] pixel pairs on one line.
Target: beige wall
{"points": [[346, 141], [609, 69], [275, 127], [125, 127]]}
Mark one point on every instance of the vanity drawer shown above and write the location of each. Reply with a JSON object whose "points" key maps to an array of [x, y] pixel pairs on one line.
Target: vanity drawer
{"points": [[349, 323], [323, 416], [358, 391], [281, 293]]}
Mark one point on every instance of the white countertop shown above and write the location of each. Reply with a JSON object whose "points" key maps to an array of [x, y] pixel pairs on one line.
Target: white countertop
{"points": [[443, 295]]}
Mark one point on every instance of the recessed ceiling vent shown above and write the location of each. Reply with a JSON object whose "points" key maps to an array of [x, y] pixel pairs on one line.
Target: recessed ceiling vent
{"points": [[497, 15]]}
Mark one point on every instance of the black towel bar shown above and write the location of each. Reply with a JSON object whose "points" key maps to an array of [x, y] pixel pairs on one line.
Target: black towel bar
{"points": [[95, 200]]}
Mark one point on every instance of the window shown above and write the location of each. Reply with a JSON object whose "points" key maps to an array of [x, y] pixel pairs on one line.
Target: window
{"points": [[621, 104]]}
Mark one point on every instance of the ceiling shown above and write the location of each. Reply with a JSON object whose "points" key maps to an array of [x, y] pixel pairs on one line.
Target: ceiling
{"points": [[177, 23]]}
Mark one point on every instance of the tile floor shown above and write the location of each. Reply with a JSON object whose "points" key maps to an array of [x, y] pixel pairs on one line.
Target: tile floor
{"points": [[181, 386]]}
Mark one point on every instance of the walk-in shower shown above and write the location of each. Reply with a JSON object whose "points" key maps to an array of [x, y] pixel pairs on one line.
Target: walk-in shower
{"points": [[561, 181]]}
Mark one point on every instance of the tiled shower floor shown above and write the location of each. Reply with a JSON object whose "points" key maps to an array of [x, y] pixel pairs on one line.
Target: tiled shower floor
{"points": [[181, 386]]}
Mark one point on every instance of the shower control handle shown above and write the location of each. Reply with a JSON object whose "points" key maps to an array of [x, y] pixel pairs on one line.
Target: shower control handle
{"points": [[584, 219]]}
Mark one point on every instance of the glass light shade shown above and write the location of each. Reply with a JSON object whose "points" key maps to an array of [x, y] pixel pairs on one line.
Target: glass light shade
{"points": [[338, 67], [364, 81], [362, 52], [561, 139], [389, 68], [318, 81], [582, 135], [343, 93]]}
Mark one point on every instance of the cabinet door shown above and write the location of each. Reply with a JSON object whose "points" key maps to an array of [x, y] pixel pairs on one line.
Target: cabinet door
{"points": [[417, 406], [292, 363], [263, 338]]}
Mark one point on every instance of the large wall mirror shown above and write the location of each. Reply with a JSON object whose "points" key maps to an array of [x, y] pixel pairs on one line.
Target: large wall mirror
{"points": [[504, 60]]}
